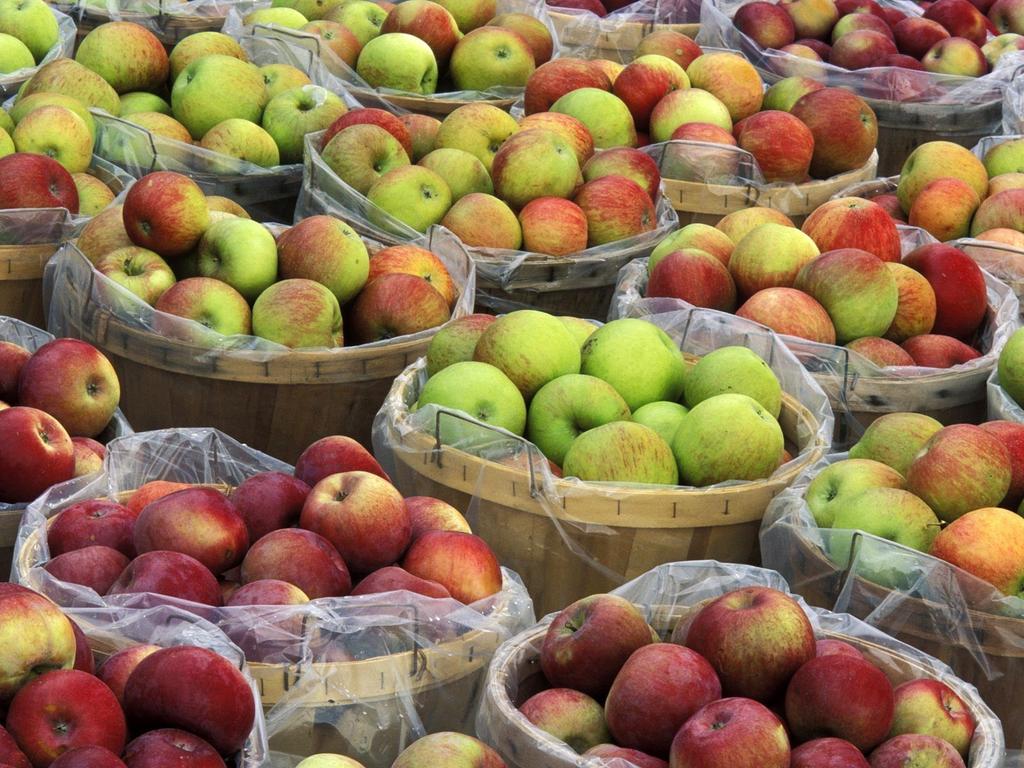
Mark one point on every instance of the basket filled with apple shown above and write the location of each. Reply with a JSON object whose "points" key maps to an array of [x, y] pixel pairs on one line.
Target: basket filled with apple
{"points": [[935, 73], [710, 664], [68, 393], [592, 454], [424, 57], [169, 20], [550, 206], [115, 688], [614, 29], [917, 531], [277, 335], [367, 619], [885, 318], [33, 34]]}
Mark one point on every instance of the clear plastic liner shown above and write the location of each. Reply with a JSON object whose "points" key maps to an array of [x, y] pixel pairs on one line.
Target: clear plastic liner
{"points": [[169, 20], [584, 24], [10, 82], [1001, 407], [669, 594], [1013, 105], [359, 675]]}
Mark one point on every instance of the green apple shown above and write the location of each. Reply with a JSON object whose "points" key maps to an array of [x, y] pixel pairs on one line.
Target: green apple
{"points": [[329, 760], [398, 61], [843, 480], [621, 452], [895, 439], [138, 270], [530, 347], [211, 303], [215, 88], [299, 314], [727, 437], [566, 407], [480, 390], [14, 54], [479, 129], [1007, 157], [288, 18], [158, 124], [662, 416], [311, 9], [788, 91], [734, 369], [362, 153], [414, 195], [240, 138], [687, 105], [363, 19], [580, 329], [126, 55], [289, 116], [455, 342], [7, 145], [282, 77], [141, 101], [6, 122], [604, 114], [58, 133], [480, 220], [703, 237], [639, 359], [242, 253], [36, 100], [200, 44], [32, 22], [535, 163], [470, 14], [93, 194], [327, 250], [490, 57], [463, 172], [1011, 367], [68, 77], [890, 513], [770, 256]]}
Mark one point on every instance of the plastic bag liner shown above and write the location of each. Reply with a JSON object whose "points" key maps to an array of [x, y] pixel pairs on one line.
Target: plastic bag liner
{"points": [[169, 20], [343, 75], [362, 676], [858, 389], [674, 593], [918, 598], [111, 629], [10, 82], [568, 538], [1001, 407], [1013, 105], [140, 151], [579, 284], [586, 35]]}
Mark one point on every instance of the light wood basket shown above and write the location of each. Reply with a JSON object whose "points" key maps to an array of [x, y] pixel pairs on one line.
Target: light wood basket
{"points": [[611, 44]]}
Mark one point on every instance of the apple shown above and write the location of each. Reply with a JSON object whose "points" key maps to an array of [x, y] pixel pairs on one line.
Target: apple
{"points": [[738, 224], [916, 307], [166, 212], [558, 77], [200, 44], [92, 522], [399, 61], [327, 250], [812, 18], [275, 316], [139, 271], [791, 312], [632, 756], [916, 35], [1011, 435], [959, 286], [621, 452], [30, 615], [531, 29], [63, 709], [14, 54], [428, 21], [930, 707], [944, 209], [643, 83], [91, 756], [103, 234], [668, 42], [214, 88], [282, 77], [36, 181], [241, 253], [126, 55], [532, 348], [96, 567], [827, 752], [160, 694], [699, 236], [88, 456], [422, 132], [470, 15], [936, 160], [853, 222], [851, 22], [687, 105], [491, 57], [171, 574], [604, 114], [569, 716], [995, 49], [93, 194], [338, 38], [209, 302], [455, 342], [360, 154], [906, 520], [460, 562], [267, 592], [463, 172], [290, 115], [414, 195], [628, 162], [985, 542], [396, 305], [394, 579], [56, 132], [278, 16], [1005, 17], [788, 91], [729, 731], [769, 256], [937, 351], [12, 358], [616, 208], [430, 514], [845, 139], [695, 277], [480, 129], [239, 138], [483, 221], [734, 369], [301, 558], [478, 389], [532, 164], [416, 261], [861, 49], [766, 24], [170, 746], [961, 18], [844, 480], [553, 226], [331, 455], [956, 56], [114, 672], [151, 491], [454, 750], [891, 203], [730, 78], [881, 352], [32, 23], [68, 77], [894, 439]]}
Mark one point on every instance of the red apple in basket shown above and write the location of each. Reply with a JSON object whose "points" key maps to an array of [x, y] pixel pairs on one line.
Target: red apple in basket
{"points": [[916, 35], [72, 381], [171, 574], [931, 707], [853, 21], [166, 212], [371, 116], [767, 24], [416, 261], [643, 83], [396, 305], [267, 592], [628, 162], [88, 455], [588, 642], [430, 514], [392, 578], [881, 352], [430, 22], [12, 358], [931, 350], [916, 749], [96, 567], [36, 181], [119, 666], [915, 308], [828, 646], [781, 144], [553, 226], [333, 454], [960, 18], [269, 501], [695, 277], [1011, 435], [861, 49], [301, 558], [151, 491], [161, 692], [844, 127], [460, 562], [668, 42], [828, 752], [616, 208], [10, 753], [64, 709], [566, 126], [88, 757], [171, 746], [960, 294], [632, 756], [550, 81], [986, 543], [452, 750], [95, 521], [789, 311], [853, 222], [731, 732], [35, 453], [28, 616], [567, 715]]}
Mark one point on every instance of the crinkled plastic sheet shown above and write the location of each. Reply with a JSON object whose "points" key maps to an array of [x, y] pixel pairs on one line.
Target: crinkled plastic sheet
{"points": [[912, 595], [589, 27], [1001, 407], [369, 709], [110, 629], [1013, 105], [140, 151], [65, 46], [32, 338], [343, 75], [76, 293], [890, 84], [673, 590], [506, 270], [169, 20], [839, 368]]}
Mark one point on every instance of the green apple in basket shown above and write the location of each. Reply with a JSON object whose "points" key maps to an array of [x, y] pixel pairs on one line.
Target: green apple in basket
{"points": [[58, 133], [463, 171], [361, 154], [621, 452], [362, 18], [68, 77], [126, 55], [142, 101], [215, 88], [663, 416], [289, 18], [1011, 367], [14, 54], [244, 140], [738, 370], [837, 483], [242, 253], [491, 57], [479, 129], [414, 195], [289, 116], [895, 439], [202, 44], [32, 22], [398, 61]]}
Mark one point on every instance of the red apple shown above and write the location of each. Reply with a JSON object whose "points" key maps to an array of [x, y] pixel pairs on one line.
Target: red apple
{"points": [[566, 126], [616, 208], [916, 35], [96, 567], [12, 358], [413, 260], [63, 709], [171, 574], [334, 454], [267, 592], [931, 707], [162, 693], [301, 558], [986, 543], [550, 81], [396, 305], [268, 501], [460, 562], [891, 204], [589, 641], [553, 226], [668, 42], [628, 162], [960, 295], [828, 752], [392, 578], [151, 491], [430, 514], [844, 127], [84, 659], [960, 18], [88, 757], [731, 732], [10, 753], [853, 222], [861, 49], [916, 749], [829, 646], [119, 666], [781, 144], [88, 456], [789, 311], [430, 22], [766, 24], [371, 116], [166, 212], [643, 83], [35, 181], [337, 38], [171, 747], [35, 453], [1011, 435], [881, 352], [568, 716], [86, 523], [694, 276], [931, 350]]}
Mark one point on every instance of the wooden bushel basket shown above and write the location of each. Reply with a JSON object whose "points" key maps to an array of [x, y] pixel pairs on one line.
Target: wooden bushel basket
{"points": [[169, 27], [615, 43]]}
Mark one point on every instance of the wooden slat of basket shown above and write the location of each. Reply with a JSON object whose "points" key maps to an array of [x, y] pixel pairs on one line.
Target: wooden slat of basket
{"points": [[21, 281], [612, 44], [425, 105]]}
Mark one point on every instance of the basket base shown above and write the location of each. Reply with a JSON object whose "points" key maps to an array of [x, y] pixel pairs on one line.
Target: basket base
{"points": [[588, 303], [23, 299]]}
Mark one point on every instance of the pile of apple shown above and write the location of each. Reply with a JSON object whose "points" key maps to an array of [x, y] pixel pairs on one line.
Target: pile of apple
{"points": [[946, 190], [951, 38], [28, 30], [744, 683], [947, 491], [30, 180], [276, 539], [448, 749], [535, 185], [53, 403], [144, 707], [617, 403], [205, 260], [422, 46], [838, 279]]}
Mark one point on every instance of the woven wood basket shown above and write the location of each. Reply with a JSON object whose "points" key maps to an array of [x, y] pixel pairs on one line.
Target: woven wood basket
{"points": [[613, 44]]}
